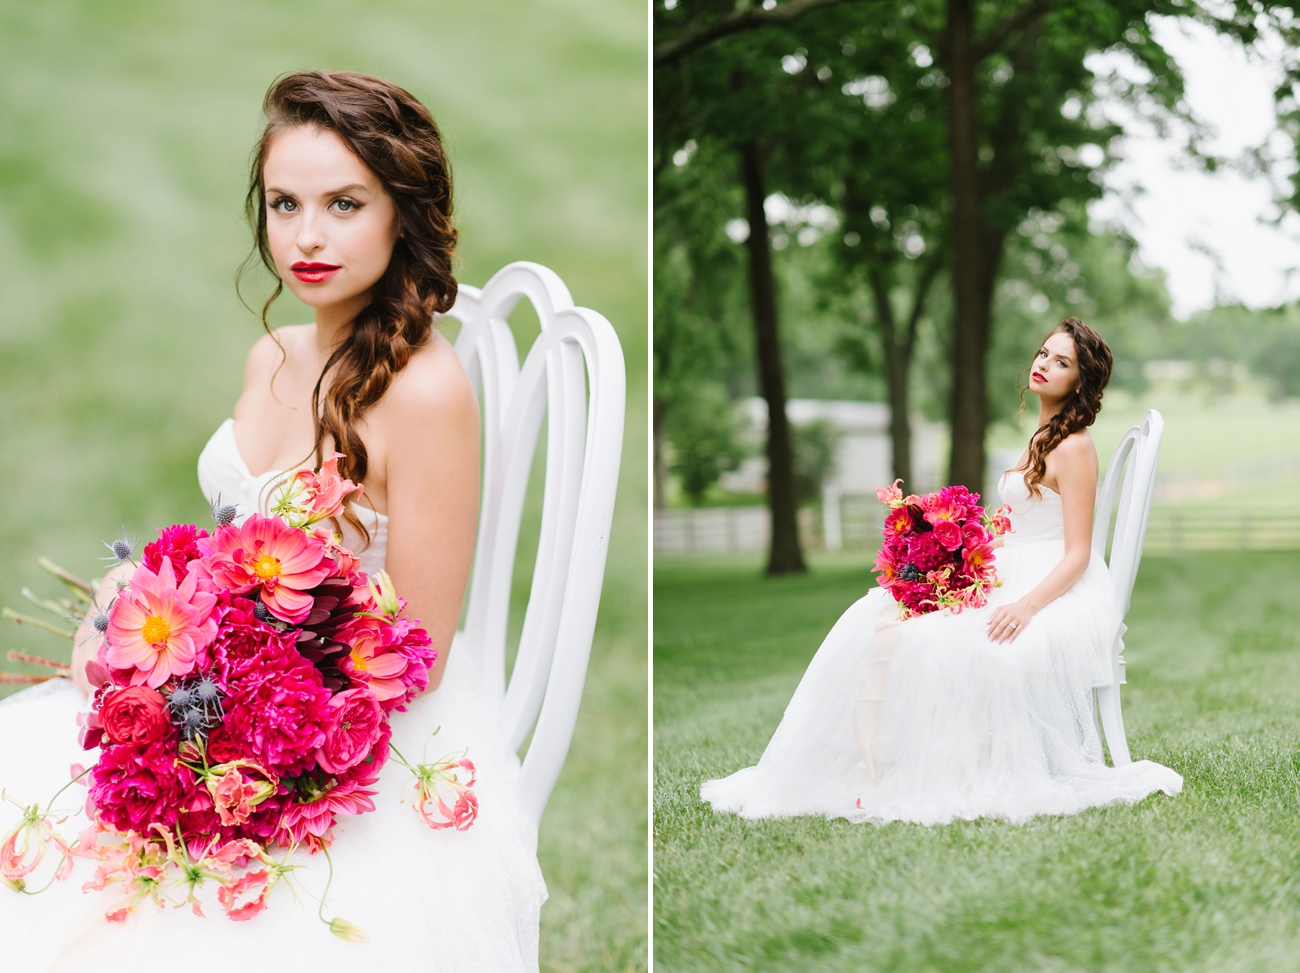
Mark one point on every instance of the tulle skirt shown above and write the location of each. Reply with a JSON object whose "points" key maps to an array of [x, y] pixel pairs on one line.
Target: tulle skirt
{"points": [[928, 721], [448, 901]]}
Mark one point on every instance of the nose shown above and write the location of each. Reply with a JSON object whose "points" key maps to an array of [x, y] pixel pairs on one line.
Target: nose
{"points": [[311, 237]]}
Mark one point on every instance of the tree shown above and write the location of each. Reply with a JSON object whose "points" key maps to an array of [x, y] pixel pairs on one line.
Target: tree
{"points": [[1007, 70], [738, 102]]}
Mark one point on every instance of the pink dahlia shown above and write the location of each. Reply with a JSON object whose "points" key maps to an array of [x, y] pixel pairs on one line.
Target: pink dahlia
{"points": [[279, 710], [178, 544], [157, 627], [133, 788], [887, 566], [898, 522], [353, 732], [390, 656], [979, 560], [312, 818], [267, 556]]}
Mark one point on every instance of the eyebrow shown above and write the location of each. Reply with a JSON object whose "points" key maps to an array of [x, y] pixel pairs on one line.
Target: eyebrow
{"points": [[350, 188]]}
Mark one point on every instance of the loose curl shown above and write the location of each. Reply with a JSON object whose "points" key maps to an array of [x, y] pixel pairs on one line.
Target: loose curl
{"points": [[1080, 408], [397, 139]]}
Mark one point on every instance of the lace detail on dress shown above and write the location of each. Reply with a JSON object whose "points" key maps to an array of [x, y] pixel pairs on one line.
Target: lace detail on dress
{"points": [[222, 470]]}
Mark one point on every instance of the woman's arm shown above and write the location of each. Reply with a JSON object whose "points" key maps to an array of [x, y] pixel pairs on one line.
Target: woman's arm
{"points": [[1073, 465], [85, 645], [431, 438]]}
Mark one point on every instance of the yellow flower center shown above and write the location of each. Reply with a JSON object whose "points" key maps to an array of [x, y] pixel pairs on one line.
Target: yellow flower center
{"points": [[358, 661], [267, 567], [155, 630]]}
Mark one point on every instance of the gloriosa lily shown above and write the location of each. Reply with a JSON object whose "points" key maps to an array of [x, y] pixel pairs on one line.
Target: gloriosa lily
{"points": [[444, 775]]}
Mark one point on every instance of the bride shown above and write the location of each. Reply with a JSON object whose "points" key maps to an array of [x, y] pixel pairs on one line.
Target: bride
{"points": [[351, 207], [987, 713]]}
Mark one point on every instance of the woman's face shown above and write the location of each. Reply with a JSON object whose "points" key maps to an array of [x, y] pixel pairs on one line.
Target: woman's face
{"points": [[330, 223], [1055, 372]]}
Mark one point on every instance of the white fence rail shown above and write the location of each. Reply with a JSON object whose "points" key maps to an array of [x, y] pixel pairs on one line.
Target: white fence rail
{"points": [[736, 530]]}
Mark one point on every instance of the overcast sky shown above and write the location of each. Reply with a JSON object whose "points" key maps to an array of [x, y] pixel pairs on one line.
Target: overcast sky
{"points": [[1184, 210]]}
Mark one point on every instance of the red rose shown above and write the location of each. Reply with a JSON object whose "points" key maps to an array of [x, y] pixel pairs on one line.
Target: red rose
{"points": [[136, 716]]}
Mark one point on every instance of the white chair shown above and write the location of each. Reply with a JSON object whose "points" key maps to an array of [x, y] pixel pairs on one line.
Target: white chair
{"points": [[584, 408], [1135, 461]]}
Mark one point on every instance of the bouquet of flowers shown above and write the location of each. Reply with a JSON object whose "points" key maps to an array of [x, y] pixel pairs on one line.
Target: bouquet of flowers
{"points": [[243, 689], [937, 553]]}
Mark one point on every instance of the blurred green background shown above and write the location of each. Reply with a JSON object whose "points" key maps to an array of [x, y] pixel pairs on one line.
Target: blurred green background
{"points": [[125, 131]]}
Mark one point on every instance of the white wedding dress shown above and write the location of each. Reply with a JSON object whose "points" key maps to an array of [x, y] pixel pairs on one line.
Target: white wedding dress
{"points": [[454, 901], [928, 721]]}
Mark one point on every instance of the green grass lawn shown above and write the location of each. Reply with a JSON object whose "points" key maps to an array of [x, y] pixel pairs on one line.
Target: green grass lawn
{"points": [[1206, 881], [125, 130]]}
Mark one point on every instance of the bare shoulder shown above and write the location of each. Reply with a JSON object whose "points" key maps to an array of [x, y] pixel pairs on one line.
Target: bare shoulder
{"points": [[1077, 451], [270, 350], [433, 387]]}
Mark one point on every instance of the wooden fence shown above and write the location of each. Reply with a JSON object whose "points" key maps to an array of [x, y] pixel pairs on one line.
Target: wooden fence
{"points": [[1172, 528]]}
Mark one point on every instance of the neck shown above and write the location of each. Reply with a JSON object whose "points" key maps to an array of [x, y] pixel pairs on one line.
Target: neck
{"points": [[334, 322], [1047, 408]]}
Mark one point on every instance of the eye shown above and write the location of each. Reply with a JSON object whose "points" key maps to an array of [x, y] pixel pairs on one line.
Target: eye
{"points": [[284, 205], [347, 205]]}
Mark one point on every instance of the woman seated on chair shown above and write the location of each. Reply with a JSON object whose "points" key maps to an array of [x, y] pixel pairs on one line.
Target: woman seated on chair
{"points": [[986, 713], [350, 205]]}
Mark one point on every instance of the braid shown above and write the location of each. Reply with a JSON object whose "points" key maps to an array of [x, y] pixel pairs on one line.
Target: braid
{"points": [[397, 139], [1080, 409]]}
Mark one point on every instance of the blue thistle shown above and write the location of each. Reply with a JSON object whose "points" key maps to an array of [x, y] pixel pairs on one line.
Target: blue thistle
{"points": [[191, 723], [195, 706], [121, 550], [223, 514], [98, 621]]}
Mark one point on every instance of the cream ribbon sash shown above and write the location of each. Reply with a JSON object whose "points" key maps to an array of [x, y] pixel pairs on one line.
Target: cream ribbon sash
{"points": [[870, 699]]}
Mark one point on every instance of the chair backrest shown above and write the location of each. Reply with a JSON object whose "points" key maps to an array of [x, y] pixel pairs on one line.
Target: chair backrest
{"points": [[1132, 473], [584, 407]]}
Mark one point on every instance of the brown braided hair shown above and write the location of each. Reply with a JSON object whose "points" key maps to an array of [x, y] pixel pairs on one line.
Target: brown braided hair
{"points": [[397, 139], [1080, 408]]}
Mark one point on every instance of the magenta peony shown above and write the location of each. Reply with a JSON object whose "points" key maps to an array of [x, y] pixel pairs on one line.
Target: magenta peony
{"points": [[179, 544], [265, 555], [279, 710], [238, 647], [133, 788], [157, 627]]}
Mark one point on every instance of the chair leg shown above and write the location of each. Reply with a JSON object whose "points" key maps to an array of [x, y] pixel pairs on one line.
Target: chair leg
{"points": [[1112, 721]]}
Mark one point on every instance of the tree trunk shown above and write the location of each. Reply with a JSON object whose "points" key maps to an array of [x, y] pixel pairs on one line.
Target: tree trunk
{"points": [[969, 272], [785, 555], [660, 463], [898, 358]]}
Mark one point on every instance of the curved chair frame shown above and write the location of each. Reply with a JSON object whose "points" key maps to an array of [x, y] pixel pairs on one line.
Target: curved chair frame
{"points": [[584, 407], [1135, 462]]}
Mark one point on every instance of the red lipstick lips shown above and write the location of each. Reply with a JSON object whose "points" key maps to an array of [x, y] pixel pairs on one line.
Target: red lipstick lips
{"points": [[314, 273], [1038, 377]]}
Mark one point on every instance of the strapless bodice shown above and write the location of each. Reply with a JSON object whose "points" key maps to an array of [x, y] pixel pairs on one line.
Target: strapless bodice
{"points": [[1032, 519], [223, 472]]}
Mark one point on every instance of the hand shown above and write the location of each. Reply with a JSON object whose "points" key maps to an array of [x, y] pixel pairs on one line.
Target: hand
{"points": [[1008, 621]]}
